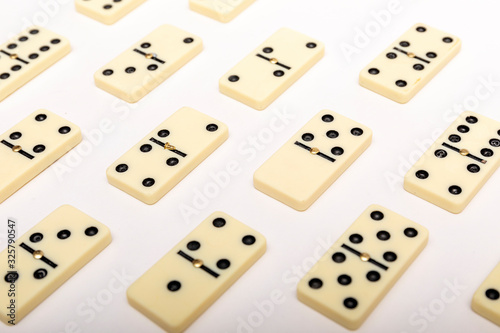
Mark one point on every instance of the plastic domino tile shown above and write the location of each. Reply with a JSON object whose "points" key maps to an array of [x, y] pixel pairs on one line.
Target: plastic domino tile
{"points": [[271, 68], [196, 272], [458, 164], [144, 66], [45, 257], [166, 155], [106, 11], [409, 63], [27, 55], [486, 300], [356, 273], [300, 171], [220, 10], [31, 146]]}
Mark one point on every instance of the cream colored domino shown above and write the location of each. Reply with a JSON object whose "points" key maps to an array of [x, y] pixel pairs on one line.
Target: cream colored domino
{"points": [[458, 164], [106, 11], [31, 146], [300, 171], [410, 62], [272, 68], [27, 55], [220, 10], [354, 275], [486, 300], [166, 155], [196, 272], [143, 67], [45, 257]]}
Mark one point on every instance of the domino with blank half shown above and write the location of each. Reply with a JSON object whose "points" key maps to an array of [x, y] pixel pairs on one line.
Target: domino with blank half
{"points": [[300, 171]]}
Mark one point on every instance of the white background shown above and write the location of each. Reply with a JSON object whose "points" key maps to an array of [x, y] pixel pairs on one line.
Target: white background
{"points": [[462, 248]]}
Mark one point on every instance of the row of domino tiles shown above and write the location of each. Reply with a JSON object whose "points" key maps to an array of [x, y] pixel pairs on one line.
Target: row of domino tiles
{"points": [[398, 73], [154, 166], [448, 175], [345, 285]]}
